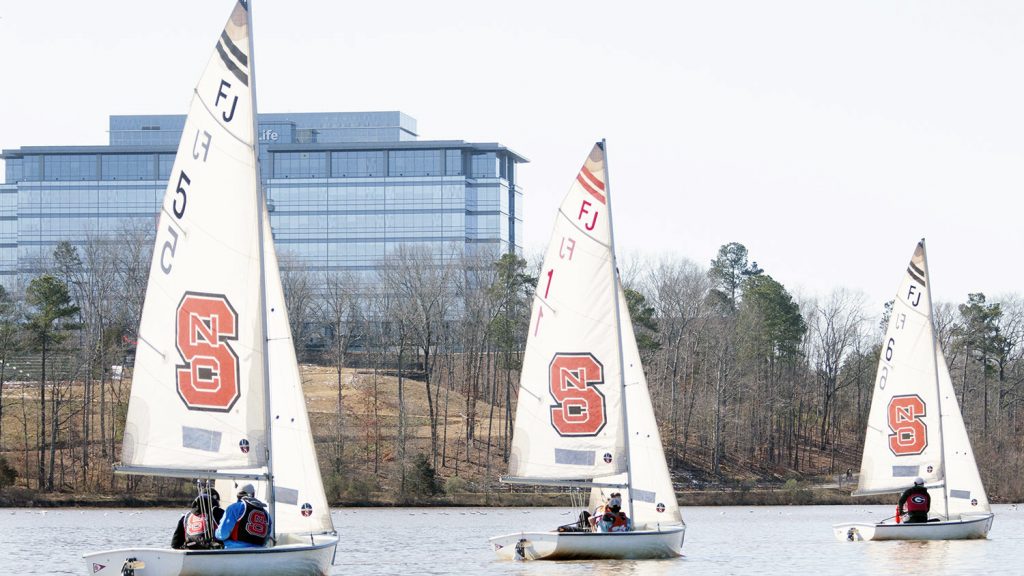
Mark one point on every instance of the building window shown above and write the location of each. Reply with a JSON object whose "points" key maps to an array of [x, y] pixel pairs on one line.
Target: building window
{"points": [[166, 163], [360, 164], [70, 167], [414, 163], [14, 171], [485, 165], [300, 165], [127, 167], [453, 162]]}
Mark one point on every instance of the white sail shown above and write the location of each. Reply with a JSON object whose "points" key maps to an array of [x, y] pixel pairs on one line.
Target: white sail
{"points": [[654, 498], [300, 504], [569, 415], [963, 488], [197, 400], [902, 440], [915, 428]]}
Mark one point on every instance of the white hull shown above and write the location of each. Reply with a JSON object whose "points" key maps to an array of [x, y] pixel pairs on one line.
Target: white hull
{"points": [[637, 545], [282, 560], [966, 528]]}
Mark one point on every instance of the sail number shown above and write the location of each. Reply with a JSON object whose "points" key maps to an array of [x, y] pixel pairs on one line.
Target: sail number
{"points": [[579, 408], [909, 435], [209, 378]]}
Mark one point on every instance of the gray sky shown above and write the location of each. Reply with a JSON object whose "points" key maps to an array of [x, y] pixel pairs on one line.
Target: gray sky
{"points": [[827, 137]]}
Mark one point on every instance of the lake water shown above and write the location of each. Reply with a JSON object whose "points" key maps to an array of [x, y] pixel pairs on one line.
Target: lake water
{"points": [[784, 540]]}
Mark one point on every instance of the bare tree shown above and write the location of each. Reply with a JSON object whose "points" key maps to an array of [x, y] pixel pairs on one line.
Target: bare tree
{"points": [[423, 285], [336, 308]]}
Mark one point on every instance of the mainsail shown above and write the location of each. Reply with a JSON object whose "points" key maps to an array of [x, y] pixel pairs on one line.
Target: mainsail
{"points": [[915, 428], [568, 422], [198, 400]]}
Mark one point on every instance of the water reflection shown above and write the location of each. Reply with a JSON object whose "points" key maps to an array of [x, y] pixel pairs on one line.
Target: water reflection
{"points": [[783, 540], [594, 568], [930, 557]]}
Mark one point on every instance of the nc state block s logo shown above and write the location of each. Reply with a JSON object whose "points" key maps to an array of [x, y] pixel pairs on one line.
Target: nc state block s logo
{"points": [[579, 408], [209, 378]]}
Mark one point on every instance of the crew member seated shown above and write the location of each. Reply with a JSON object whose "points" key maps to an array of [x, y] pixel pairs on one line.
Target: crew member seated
{"points": [[196, 527], [917, 502], [610, 517], [246, 523]]}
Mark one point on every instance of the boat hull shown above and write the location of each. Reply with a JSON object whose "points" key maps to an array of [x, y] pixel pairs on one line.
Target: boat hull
{"points": [[636, 545], [966, 528], [308, 559]]}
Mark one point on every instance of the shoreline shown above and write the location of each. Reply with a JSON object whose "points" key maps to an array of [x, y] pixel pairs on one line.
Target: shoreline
{"points": [[759, 497]]}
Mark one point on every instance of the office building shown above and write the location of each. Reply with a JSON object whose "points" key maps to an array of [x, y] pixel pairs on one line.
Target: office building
{"points": [[344, 191]]}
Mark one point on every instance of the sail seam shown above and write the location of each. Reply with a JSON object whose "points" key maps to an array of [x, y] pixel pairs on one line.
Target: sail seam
{"points": [[583, 231], [219, 123]]}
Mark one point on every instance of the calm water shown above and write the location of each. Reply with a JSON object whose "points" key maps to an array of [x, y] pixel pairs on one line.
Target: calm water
{"points": [[728, 540]]}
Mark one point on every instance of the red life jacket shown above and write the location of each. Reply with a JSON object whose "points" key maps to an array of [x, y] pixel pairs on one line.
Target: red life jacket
{"points": [[254, 525], [919, 502]]}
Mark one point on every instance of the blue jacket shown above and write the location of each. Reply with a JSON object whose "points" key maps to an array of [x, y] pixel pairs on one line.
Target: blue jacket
{"points": [[226, 529]]}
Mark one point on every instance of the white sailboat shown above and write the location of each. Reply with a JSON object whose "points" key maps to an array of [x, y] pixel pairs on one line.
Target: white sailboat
{"points": [[584, 416], [915, 428], [216, 392]]}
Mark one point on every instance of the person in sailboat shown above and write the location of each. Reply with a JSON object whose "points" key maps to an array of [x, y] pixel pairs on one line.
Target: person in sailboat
{"points": [[246, 523], [612, 518], [196, 527], [917, 502]]}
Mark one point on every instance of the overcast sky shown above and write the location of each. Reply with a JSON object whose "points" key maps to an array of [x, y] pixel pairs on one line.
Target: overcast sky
{"points": [[827, 137]]}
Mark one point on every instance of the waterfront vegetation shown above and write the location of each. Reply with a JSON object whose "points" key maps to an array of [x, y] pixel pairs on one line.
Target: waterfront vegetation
{"points": [[761, 395]]}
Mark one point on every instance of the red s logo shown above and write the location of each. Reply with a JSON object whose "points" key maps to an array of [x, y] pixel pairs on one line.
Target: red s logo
{"points": [[209, 378], [579, 408], [909, 433]]}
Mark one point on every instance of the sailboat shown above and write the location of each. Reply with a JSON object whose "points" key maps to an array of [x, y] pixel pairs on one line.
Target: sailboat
{"points": [[216, 392], [915, 428], [584, 417]]}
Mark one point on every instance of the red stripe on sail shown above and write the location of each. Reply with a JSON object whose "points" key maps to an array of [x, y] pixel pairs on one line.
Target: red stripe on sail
{"points": [[587, 186], [594, 179], [587, 180]]}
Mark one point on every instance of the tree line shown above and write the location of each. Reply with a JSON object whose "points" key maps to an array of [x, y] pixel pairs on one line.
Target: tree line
{"points": [[749, 382]]}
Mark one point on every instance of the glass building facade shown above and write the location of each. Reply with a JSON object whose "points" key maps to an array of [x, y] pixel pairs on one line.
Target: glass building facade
{"points": [[344, 191]]}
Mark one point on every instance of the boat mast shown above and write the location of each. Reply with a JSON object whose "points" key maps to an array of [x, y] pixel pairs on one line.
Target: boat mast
{"points": [[618, 326], [260, 209], [938, 388]]}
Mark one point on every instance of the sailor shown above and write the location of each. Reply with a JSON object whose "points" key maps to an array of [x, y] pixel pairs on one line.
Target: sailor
{"points": [[196, 527], [611, 517], [246, 523], [917, 501], [620, 523]]}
